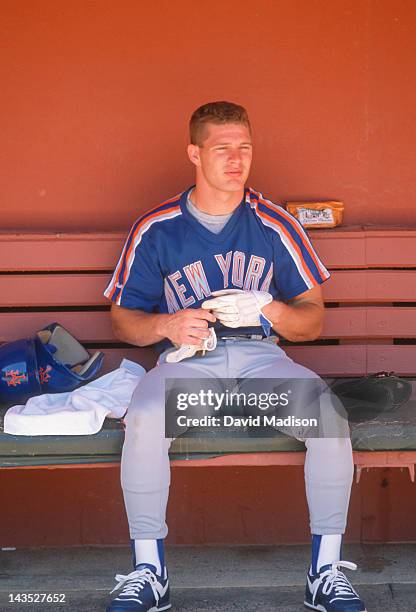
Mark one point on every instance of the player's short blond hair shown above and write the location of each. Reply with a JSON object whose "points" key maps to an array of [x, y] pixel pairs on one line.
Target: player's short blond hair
{"points": [[215, 112]]}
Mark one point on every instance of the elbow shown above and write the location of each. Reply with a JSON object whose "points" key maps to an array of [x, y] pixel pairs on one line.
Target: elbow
{"points": [[316, 332], [125, 327], [308, 335], [316, 328], [118, 325], [312, 337], [117, 330], [123, 335]]}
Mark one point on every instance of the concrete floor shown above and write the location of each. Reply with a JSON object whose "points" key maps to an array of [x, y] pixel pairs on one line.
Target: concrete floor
{"points": [[207, 579]]}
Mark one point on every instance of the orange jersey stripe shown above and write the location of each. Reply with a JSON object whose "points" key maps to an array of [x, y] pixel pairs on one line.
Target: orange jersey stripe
{"points": [[138, 228], [295, 246], [305, 243], [125, 255]]}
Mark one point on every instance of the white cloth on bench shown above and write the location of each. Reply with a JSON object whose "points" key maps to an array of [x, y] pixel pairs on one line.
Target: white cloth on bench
{"points": [[79, 412]]}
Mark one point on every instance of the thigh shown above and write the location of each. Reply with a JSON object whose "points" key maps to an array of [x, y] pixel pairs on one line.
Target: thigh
{"points": [[150, 391], [311, 409], [263, 359], [168, 398]]}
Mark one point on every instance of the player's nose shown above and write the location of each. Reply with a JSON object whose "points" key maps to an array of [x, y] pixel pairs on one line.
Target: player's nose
{"points": [[234, 156]]}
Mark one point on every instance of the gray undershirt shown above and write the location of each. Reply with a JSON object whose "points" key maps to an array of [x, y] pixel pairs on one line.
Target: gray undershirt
{"points": [[214, 223]]}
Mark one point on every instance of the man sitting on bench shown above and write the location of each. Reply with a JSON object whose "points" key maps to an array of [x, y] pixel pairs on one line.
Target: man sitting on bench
{"points": [[221, 257]]}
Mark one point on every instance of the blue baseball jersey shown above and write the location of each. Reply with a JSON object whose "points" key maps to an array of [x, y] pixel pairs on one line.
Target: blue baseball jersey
{"points": [[171, 261]]}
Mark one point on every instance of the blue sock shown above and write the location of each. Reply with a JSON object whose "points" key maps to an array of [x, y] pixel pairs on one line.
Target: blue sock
{"points": [[316, 543], [161, 551]]}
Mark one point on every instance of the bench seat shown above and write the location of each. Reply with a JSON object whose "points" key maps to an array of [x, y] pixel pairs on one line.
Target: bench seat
{"points": [[395, 431], [370, 325]]}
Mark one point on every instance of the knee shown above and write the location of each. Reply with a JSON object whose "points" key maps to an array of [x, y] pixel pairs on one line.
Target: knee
{"points": [[334, 447], [145, 413]]}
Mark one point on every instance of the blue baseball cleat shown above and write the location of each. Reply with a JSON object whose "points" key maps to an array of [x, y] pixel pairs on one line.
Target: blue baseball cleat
{"points": [[141, 591], [330, 590]]}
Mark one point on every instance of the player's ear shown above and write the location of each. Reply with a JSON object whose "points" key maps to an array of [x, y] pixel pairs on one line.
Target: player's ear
{"points": [[193, 154]]}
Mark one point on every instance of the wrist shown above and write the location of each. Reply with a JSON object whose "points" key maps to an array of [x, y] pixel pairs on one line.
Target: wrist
{"points": [[273, 311], [161, 324]]}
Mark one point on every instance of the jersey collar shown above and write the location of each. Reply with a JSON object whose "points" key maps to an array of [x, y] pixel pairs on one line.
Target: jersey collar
{"points": [[226, 231]]}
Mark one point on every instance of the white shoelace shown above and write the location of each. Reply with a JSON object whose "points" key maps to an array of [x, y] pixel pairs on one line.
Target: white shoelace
{"points": [[135, 582], [334, 579]]}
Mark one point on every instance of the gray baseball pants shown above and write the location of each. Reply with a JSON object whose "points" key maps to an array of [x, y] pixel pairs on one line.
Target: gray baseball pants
{"points": [[145, 469]]}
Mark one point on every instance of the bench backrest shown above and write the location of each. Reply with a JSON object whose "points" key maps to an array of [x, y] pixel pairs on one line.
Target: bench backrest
{"points": [[371, 297]]}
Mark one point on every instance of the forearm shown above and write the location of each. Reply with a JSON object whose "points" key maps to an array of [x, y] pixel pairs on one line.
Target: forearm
{"points": [[298, 322], [136, 326]]}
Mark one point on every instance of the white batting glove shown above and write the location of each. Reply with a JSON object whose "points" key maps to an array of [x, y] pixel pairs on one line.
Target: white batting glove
{"points": [[189, 350], [237, 308]]}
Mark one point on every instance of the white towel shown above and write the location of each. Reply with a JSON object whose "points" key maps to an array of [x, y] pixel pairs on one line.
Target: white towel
{"points": [[79, 412]]}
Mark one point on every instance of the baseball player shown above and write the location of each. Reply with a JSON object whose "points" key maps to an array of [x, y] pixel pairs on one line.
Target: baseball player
{"points": [[222, 270]]}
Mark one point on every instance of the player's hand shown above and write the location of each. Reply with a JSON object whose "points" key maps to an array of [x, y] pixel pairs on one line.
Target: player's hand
{"points": [[188, 326], [237, 308]]}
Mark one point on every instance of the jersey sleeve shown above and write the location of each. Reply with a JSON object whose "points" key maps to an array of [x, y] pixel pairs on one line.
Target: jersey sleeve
{"points": [[137, 282], [297, 266]]}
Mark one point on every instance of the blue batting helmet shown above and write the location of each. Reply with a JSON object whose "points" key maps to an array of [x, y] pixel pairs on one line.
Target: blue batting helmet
{"points": [[53, 361]]}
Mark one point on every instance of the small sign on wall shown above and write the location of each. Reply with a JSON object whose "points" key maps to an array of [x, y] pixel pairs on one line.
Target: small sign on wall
{"points": [[317, 214]]}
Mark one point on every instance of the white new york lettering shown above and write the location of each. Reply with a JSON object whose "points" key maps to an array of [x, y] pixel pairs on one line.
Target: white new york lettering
{"points": [[180, 290], [239, 259], [173, 305], [269, 276], [254, 272], [197, 279], [224, 265]]}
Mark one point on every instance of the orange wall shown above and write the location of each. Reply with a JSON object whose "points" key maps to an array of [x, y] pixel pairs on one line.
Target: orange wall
{"points": [[96, 95], [265, 505]]}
